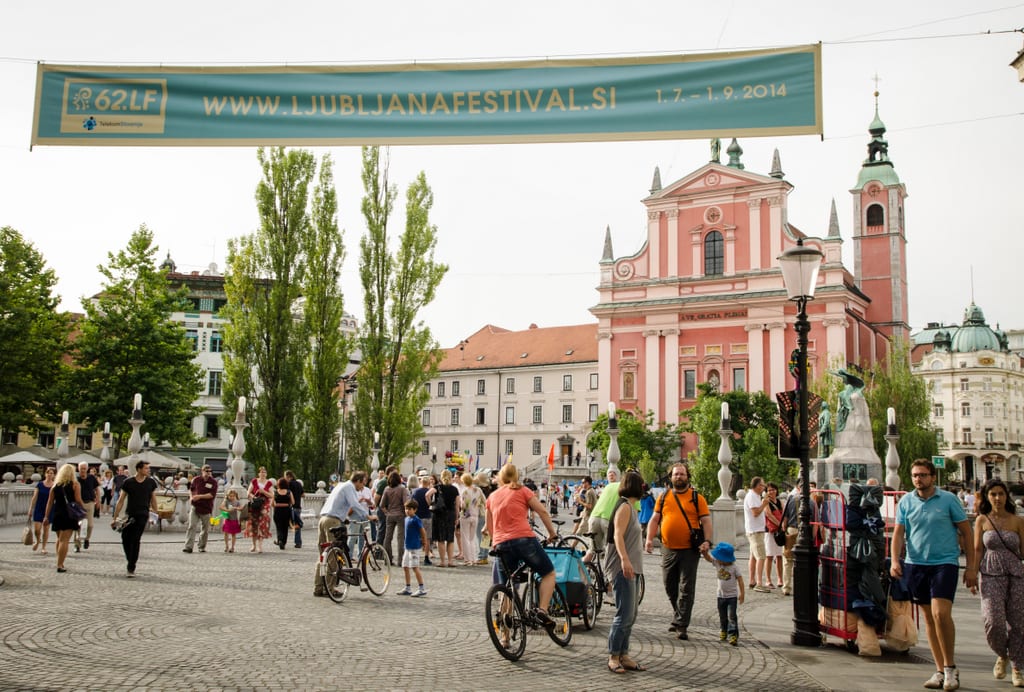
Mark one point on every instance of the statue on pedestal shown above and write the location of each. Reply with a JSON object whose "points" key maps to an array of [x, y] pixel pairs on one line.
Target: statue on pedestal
{"points": [[854, 385]]}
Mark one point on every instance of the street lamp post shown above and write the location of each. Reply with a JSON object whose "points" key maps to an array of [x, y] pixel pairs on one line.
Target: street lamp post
{"points": [[800, 267], [614, 455], [376, 453]]}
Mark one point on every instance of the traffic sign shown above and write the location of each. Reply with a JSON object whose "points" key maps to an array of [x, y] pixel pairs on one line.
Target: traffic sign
{"points": [[939, 462]]}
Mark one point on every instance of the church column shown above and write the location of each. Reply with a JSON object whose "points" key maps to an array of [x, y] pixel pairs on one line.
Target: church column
{"points": [[774, 228], [605, 369], [835, 338], [671, 378], [652, 374], [755, 351], [729, 246], [673, 243], [654, 243], [777, 358], [754, 205]]}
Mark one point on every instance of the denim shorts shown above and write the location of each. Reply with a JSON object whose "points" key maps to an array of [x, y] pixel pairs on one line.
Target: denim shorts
{"points": [[925, 582], [528, 550]]}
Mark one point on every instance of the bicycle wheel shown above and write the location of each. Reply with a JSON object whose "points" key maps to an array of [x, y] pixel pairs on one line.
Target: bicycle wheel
{"points": [[574, 542], [334, 561], [641, 586], [597, 580], [561, 633], [505, 622], [376, 569], [588, 612]]}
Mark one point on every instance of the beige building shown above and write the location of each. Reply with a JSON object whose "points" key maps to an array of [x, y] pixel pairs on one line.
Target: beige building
{"points": [[504, 394], [976, 385]]}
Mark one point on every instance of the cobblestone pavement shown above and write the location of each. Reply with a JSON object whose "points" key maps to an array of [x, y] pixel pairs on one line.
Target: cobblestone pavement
{"points": [[245, 621]]}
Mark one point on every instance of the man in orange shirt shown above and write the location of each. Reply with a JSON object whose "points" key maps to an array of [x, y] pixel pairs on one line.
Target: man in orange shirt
{"points": [[685, 528]]}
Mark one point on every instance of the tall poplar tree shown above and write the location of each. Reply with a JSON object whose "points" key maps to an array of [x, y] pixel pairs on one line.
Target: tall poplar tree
{"points": [[128, 344], [33, 332], [266, 340], [399, 354]]}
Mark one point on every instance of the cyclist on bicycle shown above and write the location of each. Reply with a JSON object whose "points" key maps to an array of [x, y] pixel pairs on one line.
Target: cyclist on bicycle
{"points": [[511, 534]]}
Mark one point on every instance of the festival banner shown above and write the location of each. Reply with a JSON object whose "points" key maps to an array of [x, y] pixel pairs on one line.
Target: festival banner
{"points": [[749, 93]]}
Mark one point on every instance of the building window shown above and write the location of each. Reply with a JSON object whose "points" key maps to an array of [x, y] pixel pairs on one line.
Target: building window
{"points": [[426, 448], [990, 436], [510, 385], [46, 438], [481, 416], [192, 336], [739, 379], [567, 413], [440, 390], [508, 447], [965, 384], [216, 343], [479, 448], [535, 447], [456, 388], [510, 415], [212, 429], [713, 254], [938, 410], [689, 384], [10, 437], [453, 446], [537, 385], [538, 414], [481, 386], [455, 416], [967, 437], [593, 380], [566, 383], [986, 384], [986, 409], [215, 385], [83, 438], [628, 385], [965, 409], [592, 413], [427, 387], [426, 418], [876, 215]]}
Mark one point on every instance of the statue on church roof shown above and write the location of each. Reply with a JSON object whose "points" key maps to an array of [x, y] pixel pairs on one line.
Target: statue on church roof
{"points": [[716, 150]]}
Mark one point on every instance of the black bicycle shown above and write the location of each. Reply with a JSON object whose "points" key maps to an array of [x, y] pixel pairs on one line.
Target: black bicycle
{"points": [[597, 574], [511, 610], [373, 566]]}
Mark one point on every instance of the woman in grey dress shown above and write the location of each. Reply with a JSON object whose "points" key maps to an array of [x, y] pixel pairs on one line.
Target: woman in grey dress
{"points": [[623, 565]]}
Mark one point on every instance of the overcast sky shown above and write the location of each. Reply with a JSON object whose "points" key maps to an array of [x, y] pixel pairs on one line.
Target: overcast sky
{"points": [[522, 226]]}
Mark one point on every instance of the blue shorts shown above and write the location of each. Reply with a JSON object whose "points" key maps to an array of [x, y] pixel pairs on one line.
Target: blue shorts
{"points": [[528, 550], [925, 582]]}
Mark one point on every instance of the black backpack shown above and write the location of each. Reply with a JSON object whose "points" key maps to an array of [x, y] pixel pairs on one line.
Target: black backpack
{"points": [[438, 504]]}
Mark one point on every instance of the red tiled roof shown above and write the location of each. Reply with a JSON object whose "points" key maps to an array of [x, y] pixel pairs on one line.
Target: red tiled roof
{"points": [[495, 347]]}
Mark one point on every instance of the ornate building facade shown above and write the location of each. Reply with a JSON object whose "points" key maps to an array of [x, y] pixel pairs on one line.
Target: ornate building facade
{"points": [[703, 300]]}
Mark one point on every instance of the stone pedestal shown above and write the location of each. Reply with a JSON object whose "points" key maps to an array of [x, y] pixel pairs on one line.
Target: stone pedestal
{"points": [[854, 458], [723, 520]]}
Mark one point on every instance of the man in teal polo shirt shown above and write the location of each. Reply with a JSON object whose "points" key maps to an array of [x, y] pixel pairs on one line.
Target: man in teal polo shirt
{"points": [[933, 525]]}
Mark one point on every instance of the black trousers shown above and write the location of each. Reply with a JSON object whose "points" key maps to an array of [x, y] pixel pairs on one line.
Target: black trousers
{"points": [[679, 569], [131, 537]]}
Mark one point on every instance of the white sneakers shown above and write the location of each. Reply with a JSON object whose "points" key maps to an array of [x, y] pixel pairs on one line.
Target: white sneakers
{"points": [[999, 669], [952, 676], [1018, 677]]}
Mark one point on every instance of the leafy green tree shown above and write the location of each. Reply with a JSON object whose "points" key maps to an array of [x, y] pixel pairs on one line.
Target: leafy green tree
{"points": [[33, 332], [638, 437], [399, 354], [747, 411], [891, 383], [323, 311], [647, 468], [266, 340], [128, 344]]}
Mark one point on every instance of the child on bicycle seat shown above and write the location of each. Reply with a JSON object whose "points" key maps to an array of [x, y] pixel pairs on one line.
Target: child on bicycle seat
{"points": [[415, 538]]}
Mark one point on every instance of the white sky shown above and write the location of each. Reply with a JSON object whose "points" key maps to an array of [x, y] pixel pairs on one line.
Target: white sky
{"points": [[522, 226]]}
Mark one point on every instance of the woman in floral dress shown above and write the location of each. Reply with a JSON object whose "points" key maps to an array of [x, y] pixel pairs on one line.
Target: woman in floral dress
{"points": [[258, 526]]}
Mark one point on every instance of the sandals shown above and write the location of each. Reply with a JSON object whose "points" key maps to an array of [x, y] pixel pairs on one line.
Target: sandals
{"points": [[615, 668], [632, 665]]}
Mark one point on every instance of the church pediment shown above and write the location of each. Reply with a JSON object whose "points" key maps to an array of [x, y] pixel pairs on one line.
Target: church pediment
{"points": [[713, 178]]}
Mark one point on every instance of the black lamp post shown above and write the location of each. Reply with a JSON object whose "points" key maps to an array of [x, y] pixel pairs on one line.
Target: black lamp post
{"points": [[800, 267]]}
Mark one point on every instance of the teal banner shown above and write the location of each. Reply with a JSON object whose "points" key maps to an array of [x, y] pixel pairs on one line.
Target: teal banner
{"points": [[769, 92]]}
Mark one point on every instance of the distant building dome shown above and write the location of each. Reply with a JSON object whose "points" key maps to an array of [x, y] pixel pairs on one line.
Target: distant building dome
{"points": [[169, 264], [975, 334]]}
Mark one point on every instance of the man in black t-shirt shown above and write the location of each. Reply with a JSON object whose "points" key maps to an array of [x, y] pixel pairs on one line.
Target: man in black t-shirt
{"points": [[295, 486], [89, 485], [139, 494]]}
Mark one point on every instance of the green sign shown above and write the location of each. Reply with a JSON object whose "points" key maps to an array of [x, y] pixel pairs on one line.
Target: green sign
{"points": [[765, 92], [939, 462]]}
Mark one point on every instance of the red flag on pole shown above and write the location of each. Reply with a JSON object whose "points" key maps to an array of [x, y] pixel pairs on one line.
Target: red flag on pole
{"points": [[551, 457]]}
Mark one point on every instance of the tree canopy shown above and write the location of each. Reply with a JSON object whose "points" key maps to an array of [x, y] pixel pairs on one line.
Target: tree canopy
{"points": [[640, 439]]}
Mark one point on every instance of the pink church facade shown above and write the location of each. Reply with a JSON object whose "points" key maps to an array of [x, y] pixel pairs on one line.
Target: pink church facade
{"points": [[703, 301]]}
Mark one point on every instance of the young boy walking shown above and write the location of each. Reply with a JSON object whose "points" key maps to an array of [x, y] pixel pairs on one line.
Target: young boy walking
{"points": [[730, 590], [415, 538]]}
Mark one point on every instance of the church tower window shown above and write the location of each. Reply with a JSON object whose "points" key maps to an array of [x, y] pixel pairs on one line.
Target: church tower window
{"points": [[876, 215]]}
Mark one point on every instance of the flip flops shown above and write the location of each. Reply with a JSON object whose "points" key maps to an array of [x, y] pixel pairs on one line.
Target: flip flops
{"points": [[615, 667]]}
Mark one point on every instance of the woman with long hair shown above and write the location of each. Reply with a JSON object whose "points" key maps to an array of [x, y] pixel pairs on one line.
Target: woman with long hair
{"points": [[471, 501], [998, 537], [258, 526], [623, 565], [772, 550], [392, 501], [65, 491], [37, 510], [283, 502]]}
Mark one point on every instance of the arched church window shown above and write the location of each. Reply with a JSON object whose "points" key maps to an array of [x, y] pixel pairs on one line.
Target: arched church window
{"points": [[876, 215], [713, 254]]}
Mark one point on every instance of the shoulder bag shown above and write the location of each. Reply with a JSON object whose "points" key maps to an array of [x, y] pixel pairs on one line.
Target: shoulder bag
{"points": [[696, 534], [26, 533]]}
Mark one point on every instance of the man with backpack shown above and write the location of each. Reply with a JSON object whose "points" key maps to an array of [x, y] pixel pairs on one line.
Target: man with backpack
{"points": [[682, 519]]}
